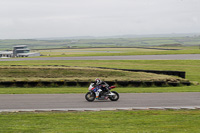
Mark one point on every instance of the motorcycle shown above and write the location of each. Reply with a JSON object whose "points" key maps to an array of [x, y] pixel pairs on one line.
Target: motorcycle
{"points": [[99, 94]]}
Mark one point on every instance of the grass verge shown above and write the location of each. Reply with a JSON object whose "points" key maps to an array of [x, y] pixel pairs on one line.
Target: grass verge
{"points": [[65, 90], [103, 121]]}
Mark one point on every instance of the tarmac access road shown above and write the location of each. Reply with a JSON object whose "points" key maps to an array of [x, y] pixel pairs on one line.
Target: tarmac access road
{"points": [[77, 101], [130, 57]]}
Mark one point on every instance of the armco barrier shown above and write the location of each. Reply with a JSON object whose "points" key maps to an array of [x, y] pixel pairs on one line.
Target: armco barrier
{"points": [[160, 83], [86, 83], [83, 84], [135, 83]]}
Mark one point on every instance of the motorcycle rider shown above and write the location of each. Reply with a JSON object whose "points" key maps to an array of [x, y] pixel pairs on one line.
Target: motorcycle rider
{"points": [[102, 86]]}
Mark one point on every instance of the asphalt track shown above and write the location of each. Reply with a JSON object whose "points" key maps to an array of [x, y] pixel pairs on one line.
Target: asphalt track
{"points": [[130, 57], [77, 101]]}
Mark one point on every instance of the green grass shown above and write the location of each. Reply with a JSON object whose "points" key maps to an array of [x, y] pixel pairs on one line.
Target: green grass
{"points": [[117, 51], [104, 121], [191, 67], [65, 90], [42, 90], [106, 42], [28, 73], [187, 45], [158, 89]]}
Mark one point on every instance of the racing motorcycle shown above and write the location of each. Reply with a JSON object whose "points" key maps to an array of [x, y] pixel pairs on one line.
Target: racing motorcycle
{"points": [[99, 94]]}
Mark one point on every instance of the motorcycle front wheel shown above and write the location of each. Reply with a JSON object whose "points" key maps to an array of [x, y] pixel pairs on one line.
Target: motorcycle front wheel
{"points": [[114, 97], [90, 96]]}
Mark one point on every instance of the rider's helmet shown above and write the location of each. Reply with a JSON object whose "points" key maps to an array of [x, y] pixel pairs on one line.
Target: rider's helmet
{"points": [[98, 81]]}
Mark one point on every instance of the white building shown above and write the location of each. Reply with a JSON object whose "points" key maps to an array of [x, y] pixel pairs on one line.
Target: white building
{"points": [[18, 51], [6, 54]]}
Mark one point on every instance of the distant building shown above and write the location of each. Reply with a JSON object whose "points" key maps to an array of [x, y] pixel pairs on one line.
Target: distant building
{"points": [[18, 51], [6, 54]]}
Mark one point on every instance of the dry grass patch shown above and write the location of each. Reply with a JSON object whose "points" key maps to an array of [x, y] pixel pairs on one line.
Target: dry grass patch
{"points": [[50, 73]]}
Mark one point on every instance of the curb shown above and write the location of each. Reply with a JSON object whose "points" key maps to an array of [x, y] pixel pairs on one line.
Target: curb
{"points": [[97, 109]]}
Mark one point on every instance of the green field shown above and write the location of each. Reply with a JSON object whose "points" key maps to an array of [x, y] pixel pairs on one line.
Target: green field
{"points": [[108, 47], [42, 73], [182, 121], [117, 51], [146, 121], [105, 121], [191, 67], [103, 42]]}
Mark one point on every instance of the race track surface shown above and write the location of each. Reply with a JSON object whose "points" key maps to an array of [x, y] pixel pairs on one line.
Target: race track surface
{"points": [[130, 57], [74, 101]]}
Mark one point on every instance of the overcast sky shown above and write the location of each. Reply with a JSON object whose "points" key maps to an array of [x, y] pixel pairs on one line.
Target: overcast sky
{"points": [[66, 18]]}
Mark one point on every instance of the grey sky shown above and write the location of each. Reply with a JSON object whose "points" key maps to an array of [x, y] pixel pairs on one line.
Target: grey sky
{"points": [[64, 18]]}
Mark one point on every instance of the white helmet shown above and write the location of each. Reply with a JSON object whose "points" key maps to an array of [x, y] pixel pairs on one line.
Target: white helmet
{"points": [[98, 81]]}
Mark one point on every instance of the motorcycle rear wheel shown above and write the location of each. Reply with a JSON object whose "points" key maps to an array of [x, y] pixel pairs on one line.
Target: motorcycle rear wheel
{"points": [[90, 96], [114, 97]]}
